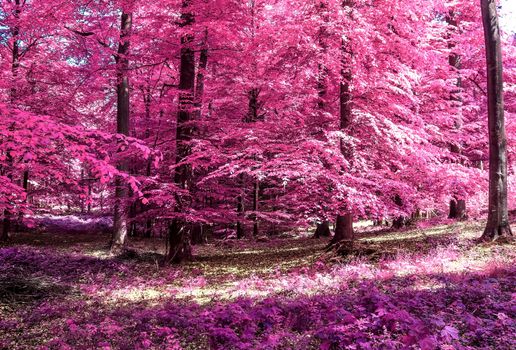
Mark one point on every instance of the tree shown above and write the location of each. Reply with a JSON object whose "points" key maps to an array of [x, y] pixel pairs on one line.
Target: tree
{"points": [[457, 205], [498, 217], [179, 229], [122, 122]]}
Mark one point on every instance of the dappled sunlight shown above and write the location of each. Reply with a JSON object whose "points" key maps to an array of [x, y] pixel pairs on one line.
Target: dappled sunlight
{"points": [[431, 286], [133, 295], [284, 282], [257, 175], [294, 277], [410, 234]]}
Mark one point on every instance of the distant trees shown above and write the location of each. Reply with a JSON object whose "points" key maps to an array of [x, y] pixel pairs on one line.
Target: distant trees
{"points": [[306, 112]]}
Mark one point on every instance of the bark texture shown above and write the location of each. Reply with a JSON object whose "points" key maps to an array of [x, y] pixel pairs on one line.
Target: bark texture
{"points": [[322, 230], [120, 221], [15, 65], [179, 232], [344, 223], [240, 231], [498, 218], [344, 230], [457, 209]]}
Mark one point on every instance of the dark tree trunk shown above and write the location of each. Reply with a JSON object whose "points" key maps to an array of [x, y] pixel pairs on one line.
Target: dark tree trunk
{"points": [[457, 209], [120, 223], [201, 72], [453, 209], [6, 221], [199, 231], [344, 223], [148, 228], [399, 222], [179, 248], [240, 232], [498, 218], [253, 115], [148, 171], [25, 185], [25, 182], [133, 225], [345, 97], [199, 234], [90, 189], [455, 61], [6, 226], [344, 230], [15, 65], [322, 70], [377, 222], [322, 230], [256, 200], [461, 209]]}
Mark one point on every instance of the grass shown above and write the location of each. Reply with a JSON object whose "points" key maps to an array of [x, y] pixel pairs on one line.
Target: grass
{"points": [[51, 278]]}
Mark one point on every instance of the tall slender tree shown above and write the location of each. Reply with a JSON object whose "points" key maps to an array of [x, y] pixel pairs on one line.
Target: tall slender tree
{"points": [[323, 227], [123, 119], [178, 245], [457, 205], [498, 217], [344, 222]]}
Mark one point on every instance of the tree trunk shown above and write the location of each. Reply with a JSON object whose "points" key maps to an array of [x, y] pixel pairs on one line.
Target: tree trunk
{"points": [[457, 209], [89, 196], [322, 39], [455, 61], [240, 232], [399, 222], [120, 223], [256, 199], [148, 171], [199, 234], [6, 221], [253, 115], [6, 226], [25, 185], [378, 222], [322, 230], [498, 218], [344, 223], [15, 64], [199, 231], [179, 248], [148, 228], [133, 225], [201, 72], [344, 230]]}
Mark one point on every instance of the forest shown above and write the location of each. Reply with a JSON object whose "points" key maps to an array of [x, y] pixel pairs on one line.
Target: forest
{"points": [[257, 174]]}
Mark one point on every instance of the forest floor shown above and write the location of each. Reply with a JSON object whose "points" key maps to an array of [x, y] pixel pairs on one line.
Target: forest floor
{"points": [[428, 287]]}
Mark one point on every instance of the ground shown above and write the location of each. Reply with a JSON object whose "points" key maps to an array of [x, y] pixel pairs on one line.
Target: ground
{"points": [[429, 287]]}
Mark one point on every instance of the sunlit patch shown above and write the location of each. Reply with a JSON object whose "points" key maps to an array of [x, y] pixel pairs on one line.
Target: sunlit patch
{"points": [[431, 286], [135, 294], [247, 283], [412, 234], [98, 253]]}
